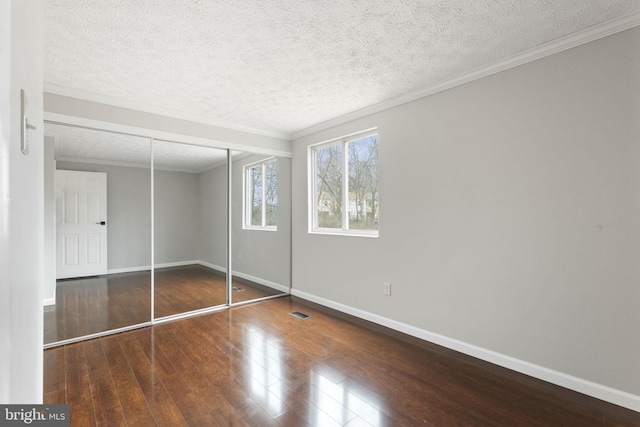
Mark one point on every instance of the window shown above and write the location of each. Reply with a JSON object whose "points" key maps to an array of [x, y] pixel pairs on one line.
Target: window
{"points": [[261, 195], [344, 186]]}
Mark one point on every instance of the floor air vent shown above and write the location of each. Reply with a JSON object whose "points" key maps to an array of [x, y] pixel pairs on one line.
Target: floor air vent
{"points": [[300, 315], [237, 289]]}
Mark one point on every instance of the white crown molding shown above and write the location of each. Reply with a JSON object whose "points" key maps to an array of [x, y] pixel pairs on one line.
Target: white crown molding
{"points": [[107, 163], [599, 391], [555, 46], [153, 109]]}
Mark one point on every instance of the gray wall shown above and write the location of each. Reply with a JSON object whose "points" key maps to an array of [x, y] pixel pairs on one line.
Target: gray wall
{"points": [[213, 216], [49, 261], [261, 254], [177, 216], [509, 215]]}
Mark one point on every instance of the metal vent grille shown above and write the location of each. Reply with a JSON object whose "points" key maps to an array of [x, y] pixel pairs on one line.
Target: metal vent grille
{"points": [[300, 315]]}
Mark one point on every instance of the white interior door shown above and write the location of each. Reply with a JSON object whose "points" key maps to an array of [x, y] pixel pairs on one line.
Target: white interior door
{"points": [[81, 223]]}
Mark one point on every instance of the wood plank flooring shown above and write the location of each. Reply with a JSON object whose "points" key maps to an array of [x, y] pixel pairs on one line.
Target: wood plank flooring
{"points": [[96, 304], [257, 365]]}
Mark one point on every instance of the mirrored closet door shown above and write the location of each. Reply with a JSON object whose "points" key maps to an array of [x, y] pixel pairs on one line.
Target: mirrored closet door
{"points": [[98, 231], [261, 226], [139, 230], [190, 237]]}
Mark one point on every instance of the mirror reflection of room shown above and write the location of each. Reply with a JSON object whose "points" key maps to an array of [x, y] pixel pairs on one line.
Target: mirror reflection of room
{"points": [[190, 228], [261, 226], [138, 230], [98, 223]]}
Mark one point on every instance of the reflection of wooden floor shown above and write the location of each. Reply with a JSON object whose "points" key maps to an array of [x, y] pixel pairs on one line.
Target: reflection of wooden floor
{"points": [[96, 304], [257, 365]]}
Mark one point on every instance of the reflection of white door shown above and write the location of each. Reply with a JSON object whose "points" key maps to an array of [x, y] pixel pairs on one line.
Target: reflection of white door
{"points": [[81, 223]]}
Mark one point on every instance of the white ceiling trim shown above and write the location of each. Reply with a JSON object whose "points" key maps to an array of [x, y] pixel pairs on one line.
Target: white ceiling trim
{"points": [[572, 40], [107, 163]]}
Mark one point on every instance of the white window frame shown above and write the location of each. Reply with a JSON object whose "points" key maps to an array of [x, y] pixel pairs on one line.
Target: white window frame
{"points": [[246, 202], [313, 208]]}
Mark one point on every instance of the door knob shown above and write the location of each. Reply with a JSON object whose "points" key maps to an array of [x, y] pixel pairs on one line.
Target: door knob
{"points": [[102, 223]]}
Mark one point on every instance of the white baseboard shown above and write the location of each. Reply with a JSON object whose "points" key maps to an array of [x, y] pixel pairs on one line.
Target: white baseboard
{"points": [[580, 385], [221, 269], [176, 264], [148, 267], [129, 269], [49, 301], [261, 281], [213, 266], [249, 277]]}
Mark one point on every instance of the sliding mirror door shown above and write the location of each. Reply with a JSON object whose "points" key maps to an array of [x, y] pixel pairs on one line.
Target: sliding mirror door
{"points": [[261, 226], [138, 229], [190, 228], [97, 232]]}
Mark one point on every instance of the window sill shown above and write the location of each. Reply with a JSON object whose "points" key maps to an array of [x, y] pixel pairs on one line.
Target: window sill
{"points": [[347, 233], [260, 228]]}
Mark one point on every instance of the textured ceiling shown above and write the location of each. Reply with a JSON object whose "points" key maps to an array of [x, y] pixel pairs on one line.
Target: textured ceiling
{"points": [[282, 66]]}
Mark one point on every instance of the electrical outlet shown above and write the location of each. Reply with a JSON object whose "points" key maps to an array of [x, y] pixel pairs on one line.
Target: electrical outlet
{"points": [[387, 288]]}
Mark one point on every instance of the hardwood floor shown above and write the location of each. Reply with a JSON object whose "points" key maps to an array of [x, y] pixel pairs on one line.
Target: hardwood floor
{"points": [[257, 365], [96, 304]]}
